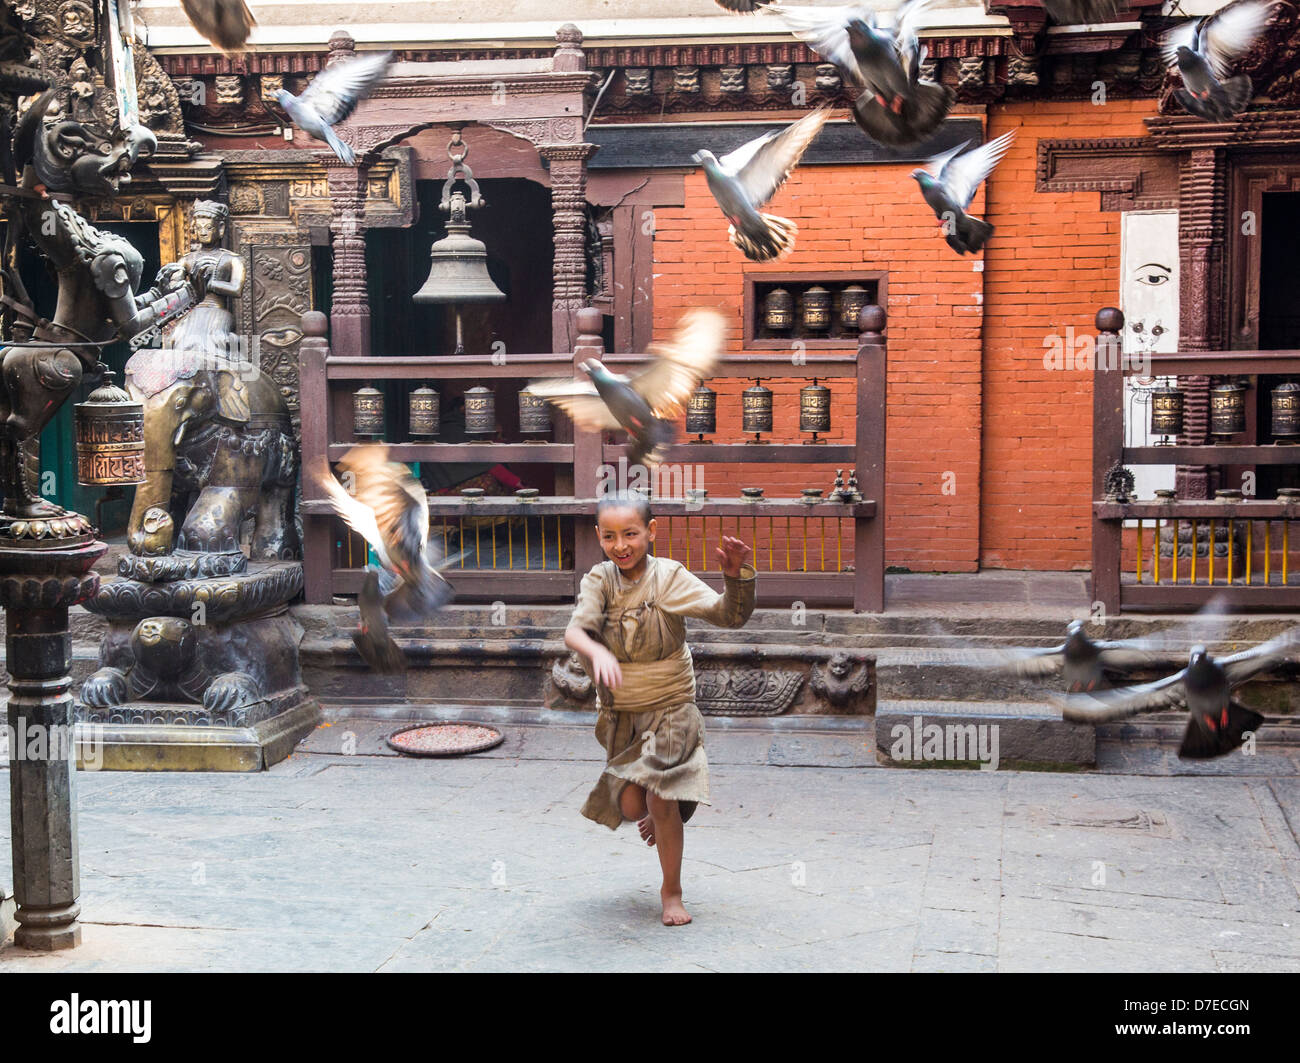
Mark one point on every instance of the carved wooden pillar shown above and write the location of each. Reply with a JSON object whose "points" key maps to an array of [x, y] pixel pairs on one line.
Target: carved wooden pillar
{"points": [[568, 163], [1200, 242], [350, 308]]}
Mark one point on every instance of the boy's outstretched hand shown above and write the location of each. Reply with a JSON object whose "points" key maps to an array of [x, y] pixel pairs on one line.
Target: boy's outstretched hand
{"points": [[731, 555]]}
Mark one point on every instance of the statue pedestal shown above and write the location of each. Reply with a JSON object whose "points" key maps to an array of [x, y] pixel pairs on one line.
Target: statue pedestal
{"points": [[196, 674]]}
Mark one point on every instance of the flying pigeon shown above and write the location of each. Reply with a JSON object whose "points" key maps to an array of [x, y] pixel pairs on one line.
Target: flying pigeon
{"points": [[742, 5], [1083, 664], [333, 95], [224, 24], [1203, 49], [643, 405], [950, 186], [1216, 722], [745, 179], [1081, 12], [381, 501], [895, 107]]}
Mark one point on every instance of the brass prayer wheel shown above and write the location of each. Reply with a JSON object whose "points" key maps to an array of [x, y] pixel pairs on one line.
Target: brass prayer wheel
{"points": [[756, 410], [815, 309], [702, 412], [778, 310], [110, 437], [815, 409], [1166, 413], [480, 411], [1227, 409], [425, 412], [534, 414], [852, 300], [368, 412], [1286, 412]]}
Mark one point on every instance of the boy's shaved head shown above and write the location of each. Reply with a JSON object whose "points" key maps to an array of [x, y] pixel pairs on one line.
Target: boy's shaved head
{"points": [[632, 500]]}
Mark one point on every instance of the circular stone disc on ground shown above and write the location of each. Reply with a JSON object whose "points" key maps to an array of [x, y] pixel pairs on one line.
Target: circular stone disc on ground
{"points": [[445, 739]]}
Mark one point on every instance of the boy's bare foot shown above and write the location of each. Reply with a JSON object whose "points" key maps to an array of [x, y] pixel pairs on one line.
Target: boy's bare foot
{"points": [[674, 913], [647, 828]]}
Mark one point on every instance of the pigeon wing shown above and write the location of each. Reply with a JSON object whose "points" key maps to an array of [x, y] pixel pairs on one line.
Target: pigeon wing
{"points": [[225, 24], [1242, 666], [682, 363], [907, 24], [964, 174], [1029, 663], [741, 5], [825, 31], [335, 92], [1123, 702], [1231, 32], [577, 398], [1183, 36], [772, 160], [357, 517], [393, 495]]}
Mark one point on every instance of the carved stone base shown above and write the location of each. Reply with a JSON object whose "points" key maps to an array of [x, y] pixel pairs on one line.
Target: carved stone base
{"points": [[182, 564], [183, 747], [197, 674]]}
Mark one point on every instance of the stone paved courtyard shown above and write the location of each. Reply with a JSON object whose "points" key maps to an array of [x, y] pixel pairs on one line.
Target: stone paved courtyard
{"points": [[811, 858]]}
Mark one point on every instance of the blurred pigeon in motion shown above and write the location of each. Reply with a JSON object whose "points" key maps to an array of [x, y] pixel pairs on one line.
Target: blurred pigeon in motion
{"points": [[643, 405], [1203, 51], [1081, 12], [1216, 722], [333, 95], [224, 24], [742, 5], [949, 186], [896, 108], [382, 502], [744, 180], [1084, 664]]}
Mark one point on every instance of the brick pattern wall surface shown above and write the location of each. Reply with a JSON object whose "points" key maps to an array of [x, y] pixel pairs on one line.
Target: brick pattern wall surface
{"points": [[1053, 262]]}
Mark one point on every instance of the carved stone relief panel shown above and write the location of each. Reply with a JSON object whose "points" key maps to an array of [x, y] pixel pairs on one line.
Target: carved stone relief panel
{"points": [[280, 293]]}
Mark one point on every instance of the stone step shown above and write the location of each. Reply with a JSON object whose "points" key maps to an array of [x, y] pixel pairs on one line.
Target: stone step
{"points": [[988, 735]]}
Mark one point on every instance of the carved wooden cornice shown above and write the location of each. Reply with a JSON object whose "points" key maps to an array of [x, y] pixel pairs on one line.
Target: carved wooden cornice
{"points": [[1131, 173], [1254, 130]]}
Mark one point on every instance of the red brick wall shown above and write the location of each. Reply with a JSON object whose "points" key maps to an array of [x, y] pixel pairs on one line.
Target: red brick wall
{"points": [[968, 394], [1053, 262]]}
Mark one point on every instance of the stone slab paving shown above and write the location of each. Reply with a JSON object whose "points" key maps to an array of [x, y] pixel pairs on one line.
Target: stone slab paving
{"points": [[810, 859]]}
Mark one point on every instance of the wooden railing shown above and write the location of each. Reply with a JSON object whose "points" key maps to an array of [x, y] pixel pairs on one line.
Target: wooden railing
{"points": [[1179, 553], [484, 537]]}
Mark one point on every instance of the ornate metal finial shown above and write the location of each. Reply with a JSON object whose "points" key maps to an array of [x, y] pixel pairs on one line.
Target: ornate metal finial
{"points": [[1119, 484], [457, 151]]}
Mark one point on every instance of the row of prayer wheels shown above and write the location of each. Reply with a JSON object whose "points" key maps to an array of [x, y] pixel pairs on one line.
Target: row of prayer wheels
{"points": [[425, 412], [1227, 412], [756, 411], [817, 310], [424, 409]]}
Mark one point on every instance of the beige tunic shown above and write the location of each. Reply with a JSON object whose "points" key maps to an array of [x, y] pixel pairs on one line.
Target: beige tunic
{"points": [[651, 729]]}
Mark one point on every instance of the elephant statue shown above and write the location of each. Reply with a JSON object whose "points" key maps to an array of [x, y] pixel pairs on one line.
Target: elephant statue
{"points": [[219, 449]]}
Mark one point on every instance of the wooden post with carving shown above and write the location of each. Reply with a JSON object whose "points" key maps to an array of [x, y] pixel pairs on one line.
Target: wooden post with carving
{"points": [[588, 450], [317, 544], [1107, 448], [869, 449]]}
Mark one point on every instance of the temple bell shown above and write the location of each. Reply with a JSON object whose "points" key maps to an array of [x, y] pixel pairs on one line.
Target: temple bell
{"points": [[458, 271]]}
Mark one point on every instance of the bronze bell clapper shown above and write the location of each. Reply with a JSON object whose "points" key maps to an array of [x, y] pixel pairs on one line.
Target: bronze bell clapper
{"points": [[815, 409], [1166, 414], [534, 415], [425, 413], [1227, 410], [109, 429], [458, 270], [1285, 422], [368, 412], [756, 411], [480, 413], [702, 413]]}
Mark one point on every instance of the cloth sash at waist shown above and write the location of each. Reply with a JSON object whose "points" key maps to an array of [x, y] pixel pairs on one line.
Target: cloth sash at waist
{"points": [[653, 684]]}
